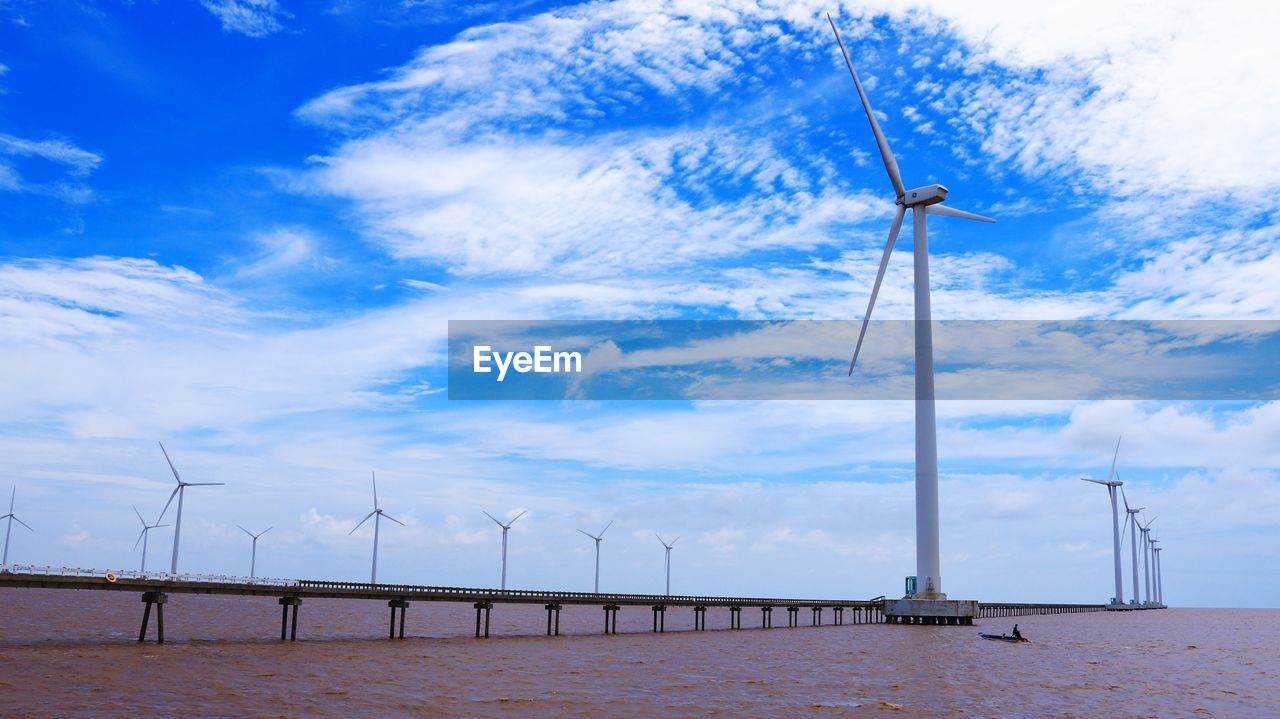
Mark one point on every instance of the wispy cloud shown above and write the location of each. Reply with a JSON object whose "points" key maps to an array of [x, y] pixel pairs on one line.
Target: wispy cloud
{"points": [[254, 18]]}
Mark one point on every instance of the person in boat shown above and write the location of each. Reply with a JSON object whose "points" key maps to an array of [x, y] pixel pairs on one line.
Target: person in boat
{"points": [[1016, 634]]}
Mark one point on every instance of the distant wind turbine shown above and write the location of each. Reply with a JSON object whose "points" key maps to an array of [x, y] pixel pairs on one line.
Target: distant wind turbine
{"points": [[597, 538], [505, 528], [922, 201], [9, 526], [1131, 520], [668, 564], [179, 492], [142, 537], [1159, 576], [377, 515], [1111, 484], [253, 561], [1146, 554]]}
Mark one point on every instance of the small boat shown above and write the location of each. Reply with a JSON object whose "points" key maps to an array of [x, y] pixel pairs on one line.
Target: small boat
{"points": [[1004, 638]]}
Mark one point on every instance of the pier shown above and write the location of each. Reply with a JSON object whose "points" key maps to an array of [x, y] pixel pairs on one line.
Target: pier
{"points": [[154, 588]]}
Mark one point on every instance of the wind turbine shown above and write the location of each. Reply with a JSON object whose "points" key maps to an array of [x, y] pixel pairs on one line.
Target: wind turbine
{"points": [[1159, 577], [1111, 484], [505, 528], [1146, 553], [922, 201], [1131, 520], [9, 527], [377, 515], [668, 564], [1155, 570], [179, 491], [253, 561], [597, 538], [142, 537]]}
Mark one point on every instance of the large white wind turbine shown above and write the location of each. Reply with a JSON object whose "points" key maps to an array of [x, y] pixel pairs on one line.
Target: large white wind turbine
{"points": [[922, 201], [1159, 577], [377, 515], [1131, 519], [9, 526], [253, 558], [142, 537], [179, 492], [505, 528], [597, 538], [668, 563], [1111, 484]]}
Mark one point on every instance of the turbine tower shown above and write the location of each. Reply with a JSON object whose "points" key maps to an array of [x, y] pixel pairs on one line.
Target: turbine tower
{"points": [[1155, 571], [668, 563], [1159, 577], [253, 561], [142, 537], [1111, 484], [597, 538], [9, 526], [1131, 520], [505, 528], [922, 201], [377, 515], [179, 492]]}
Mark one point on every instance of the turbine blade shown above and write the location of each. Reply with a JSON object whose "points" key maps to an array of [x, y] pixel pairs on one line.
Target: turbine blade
{"points": [[388, 516], [140, 519], [521, 514], [140, 535], [1095, 481], [206, 484], [660, 539], [953, 212], [1113, 459], [1125, 498], [12, 496], [495, 521], [242, 529], [28, 526], [166, 504], [606, 528], [268, 529], [890, 164], [366, 518], [589, 535], [170, 461], [875, 289], [375, 489], [673, 542]]}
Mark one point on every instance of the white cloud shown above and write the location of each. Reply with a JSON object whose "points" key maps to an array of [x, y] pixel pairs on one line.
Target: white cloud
{"points": [[254, 18]]}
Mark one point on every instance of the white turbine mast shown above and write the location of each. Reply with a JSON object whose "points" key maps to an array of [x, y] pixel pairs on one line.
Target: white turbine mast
{"points": [[179, 492], [9, 525], [1146, 556], [253, 558], [505, 528], [1112, 484], [1132, 522], [142, 537], [922, 201], [377, 515], [598, 538], [667, 567]]}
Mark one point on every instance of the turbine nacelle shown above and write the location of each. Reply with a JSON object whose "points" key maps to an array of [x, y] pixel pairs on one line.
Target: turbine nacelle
{"points": [[921, 196]]}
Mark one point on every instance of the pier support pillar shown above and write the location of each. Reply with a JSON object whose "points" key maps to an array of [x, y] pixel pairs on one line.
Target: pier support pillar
{"points": [[158, 599], [793, 618], [482, 607], [401, 604], [699, 619], [766, 617], [816, 619], [286, 627], [553, 608], [838, 615], [611, 618], [659, 618], [735, 617]]}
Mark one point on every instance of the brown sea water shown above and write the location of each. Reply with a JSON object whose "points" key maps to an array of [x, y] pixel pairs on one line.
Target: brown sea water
{"points": [[75, 652]]}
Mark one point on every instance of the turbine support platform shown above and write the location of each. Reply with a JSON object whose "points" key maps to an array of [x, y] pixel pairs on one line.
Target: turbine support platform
{"points": [[938, 612]]}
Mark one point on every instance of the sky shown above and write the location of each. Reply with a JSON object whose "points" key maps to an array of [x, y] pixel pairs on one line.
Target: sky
{"points": [[241, 227]]}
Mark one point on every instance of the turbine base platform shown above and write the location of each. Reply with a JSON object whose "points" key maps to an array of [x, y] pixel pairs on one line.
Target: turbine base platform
{"points": [[938, 612]]}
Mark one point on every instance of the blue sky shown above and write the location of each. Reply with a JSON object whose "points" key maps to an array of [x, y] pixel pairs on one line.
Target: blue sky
{"points": [[241, 226]]}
